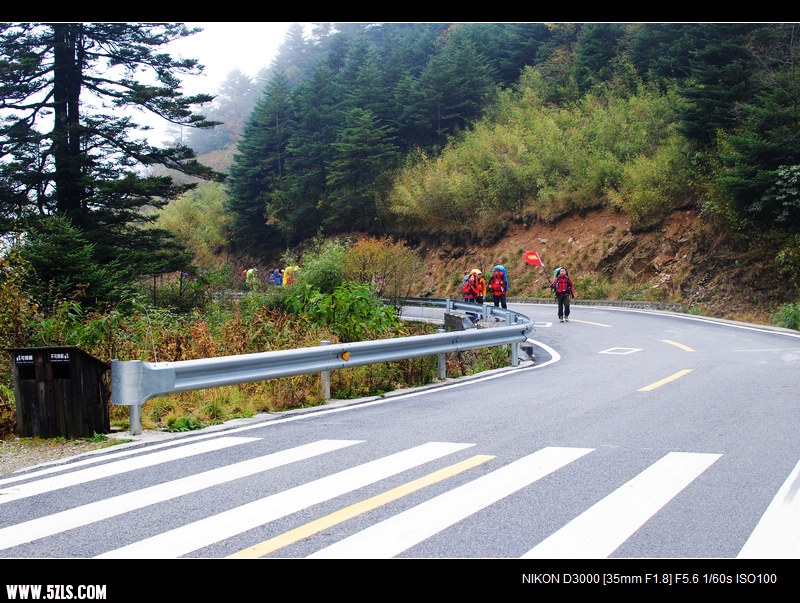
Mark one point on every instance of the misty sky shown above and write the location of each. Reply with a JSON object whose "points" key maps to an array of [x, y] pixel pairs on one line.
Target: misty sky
{"points": [[221, 47]]}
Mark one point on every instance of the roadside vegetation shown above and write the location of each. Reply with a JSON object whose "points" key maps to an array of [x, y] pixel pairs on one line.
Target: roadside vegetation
{"points": [[368, 146], [334, 301]]}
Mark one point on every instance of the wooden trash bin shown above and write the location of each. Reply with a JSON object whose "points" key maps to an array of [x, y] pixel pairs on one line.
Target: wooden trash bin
{"points": [[60, 391]]}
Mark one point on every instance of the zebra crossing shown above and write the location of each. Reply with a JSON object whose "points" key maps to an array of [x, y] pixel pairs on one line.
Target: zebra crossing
{"points": [[595, 533], [600, 530]]}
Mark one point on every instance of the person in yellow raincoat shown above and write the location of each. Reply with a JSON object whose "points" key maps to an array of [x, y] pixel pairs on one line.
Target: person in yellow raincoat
{"points": [[251, 278], [290, 275]]}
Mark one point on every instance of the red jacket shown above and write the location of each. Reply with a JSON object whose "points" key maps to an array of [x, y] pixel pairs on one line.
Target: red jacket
{"points": [[562, 285], [470, 288], [497, 284]]}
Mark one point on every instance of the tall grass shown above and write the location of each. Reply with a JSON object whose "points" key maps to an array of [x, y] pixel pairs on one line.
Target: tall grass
{"points": [[529, 159]]}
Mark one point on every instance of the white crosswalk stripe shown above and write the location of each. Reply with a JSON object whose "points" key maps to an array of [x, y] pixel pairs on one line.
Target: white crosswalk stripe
{"points": [[777, 535], [55, 523], [596, 532], [401, 532], [224, 525], [94, 473], [600, 530]]}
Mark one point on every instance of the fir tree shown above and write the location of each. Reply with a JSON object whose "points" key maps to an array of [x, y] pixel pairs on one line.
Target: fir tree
{"points": [[67, 136], [364, 152], [260, 164]]}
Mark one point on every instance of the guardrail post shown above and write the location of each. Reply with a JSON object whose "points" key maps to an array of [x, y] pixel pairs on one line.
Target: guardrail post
{"points": [[442, 362], [136, 419], [126, 390], [326, 379], [515, 354]]}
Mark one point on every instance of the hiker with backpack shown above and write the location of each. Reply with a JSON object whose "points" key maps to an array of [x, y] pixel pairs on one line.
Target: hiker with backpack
{"points": [[498, 285], [469, 288], [564, 290], [251, 278], [481, 282]]}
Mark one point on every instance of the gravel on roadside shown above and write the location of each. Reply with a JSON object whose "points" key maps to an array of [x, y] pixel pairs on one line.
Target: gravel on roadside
{"points": [[22, 453]]}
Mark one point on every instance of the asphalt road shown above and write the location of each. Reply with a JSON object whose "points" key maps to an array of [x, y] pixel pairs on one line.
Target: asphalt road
{"points": [[633, 435]]}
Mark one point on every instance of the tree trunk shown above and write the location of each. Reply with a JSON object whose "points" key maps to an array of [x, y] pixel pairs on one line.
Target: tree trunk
{"points": [[66, 127]]}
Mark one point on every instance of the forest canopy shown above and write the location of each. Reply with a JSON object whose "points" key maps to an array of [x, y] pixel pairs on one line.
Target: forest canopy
{"points": [[408, 129]]}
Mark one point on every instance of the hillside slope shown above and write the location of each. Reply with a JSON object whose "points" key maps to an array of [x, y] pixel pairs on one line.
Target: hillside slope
{"points": [[681, 262], [684, 261]]}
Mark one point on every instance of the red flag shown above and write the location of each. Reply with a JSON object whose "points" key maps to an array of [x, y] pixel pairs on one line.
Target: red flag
{"points": [[533, 258]]}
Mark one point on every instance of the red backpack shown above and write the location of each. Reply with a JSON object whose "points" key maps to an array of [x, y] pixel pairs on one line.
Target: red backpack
{"points": [[562, 285]]}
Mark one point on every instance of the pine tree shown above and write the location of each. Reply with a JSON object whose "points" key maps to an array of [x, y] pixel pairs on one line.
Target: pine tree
{"points": [[67, 136], [295, 205], [763, 152], [260, 164], [294, 58], [719, 79], [63, 264], [364, 152], [234, 102], [520, 47], [598, 45], [662, 52], [457, 83], [404, 110]]}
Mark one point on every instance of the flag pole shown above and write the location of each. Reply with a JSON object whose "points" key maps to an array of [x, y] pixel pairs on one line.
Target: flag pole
{"points": [[546, 275], [541, 263]]}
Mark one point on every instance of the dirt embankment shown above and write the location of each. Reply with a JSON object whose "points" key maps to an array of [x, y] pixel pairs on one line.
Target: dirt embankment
{"points": [[682, 261]]}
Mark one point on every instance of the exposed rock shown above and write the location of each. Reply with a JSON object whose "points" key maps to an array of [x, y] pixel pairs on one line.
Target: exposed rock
{"points": [[615, 259]]}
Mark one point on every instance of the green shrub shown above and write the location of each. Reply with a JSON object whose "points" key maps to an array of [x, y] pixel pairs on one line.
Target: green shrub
{"points": [[353, 311], [529, 158], [588, 288], [183, 423], [389, 266], [323, 266], [787, 316], [97, 437]]}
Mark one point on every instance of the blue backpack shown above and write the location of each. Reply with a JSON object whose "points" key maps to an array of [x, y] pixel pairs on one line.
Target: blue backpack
{"points": [[502, 269]]}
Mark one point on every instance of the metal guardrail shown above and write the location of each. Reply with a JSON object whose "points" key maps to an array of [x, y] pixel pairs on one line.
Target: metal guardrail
{"points": [[133, 382]]}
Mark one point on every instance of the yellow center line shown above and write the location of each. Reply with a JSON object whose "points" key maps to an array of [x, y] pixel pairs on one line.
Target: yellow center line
{"points": [[586, 322], [680, 345], [653, 386], [311, 528]]}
